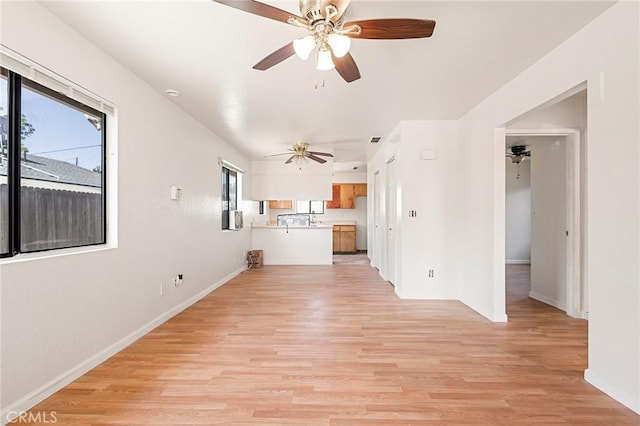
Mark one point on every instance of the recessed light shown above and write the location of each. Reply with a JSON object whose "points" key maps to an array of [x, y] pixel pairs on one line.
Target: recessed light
{"points": [[172, 93]]}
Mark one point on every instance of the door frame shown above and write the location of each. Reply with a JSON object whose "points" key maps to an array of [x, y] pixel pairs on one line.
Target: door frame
{"points": [[376, 258], [391, 220], [574, 217]]}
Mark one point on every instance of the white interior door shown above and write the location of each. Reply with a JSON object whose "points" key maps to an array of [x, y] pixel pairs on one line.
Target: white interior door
{"points": [[392, 220], [549, 221], [378, 226]]}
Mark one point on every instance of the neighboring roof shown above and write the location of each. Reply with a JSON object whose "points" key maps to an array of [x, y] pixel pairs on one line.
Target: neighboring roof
{"points": [[42, 168]]}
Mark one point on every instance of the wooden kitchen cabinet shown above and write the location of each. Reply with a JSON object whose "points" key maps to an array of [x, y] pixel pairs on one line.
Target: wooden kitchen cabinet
{"points": [[335, 195], [347, 198], [336, 238], [280, 204], [344, 238], [360, 189], [344, 195]]}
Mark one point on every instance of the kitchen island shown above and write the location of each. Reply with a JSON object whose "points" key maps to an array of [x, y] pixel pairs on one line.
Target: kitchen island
{"points": [[294, 245]]}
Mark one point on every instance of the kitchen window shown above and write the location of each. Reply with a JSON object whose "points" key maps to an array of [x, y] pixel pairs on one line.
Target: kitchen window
{"points": [[52, 169], [306, 206]]}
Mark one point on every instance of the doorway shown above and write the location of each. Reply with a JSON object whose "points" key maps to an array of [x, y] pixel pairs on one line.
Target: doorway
{"points": [[555, 217]]}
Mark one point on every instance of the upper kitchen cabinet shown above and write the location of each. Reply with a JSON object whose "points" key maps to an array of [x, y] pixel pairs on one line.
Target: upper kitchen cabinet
{"points": [[281, 204], [334, 203], [360, 189], [344, 195]]}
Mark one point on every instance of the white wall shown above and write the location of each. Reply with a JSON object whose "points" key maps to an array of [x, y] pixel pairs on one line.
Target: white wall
{"points": [[605, 54], [518, 212], [62, 315], [426, 187], [274, 180], [549, 220]]}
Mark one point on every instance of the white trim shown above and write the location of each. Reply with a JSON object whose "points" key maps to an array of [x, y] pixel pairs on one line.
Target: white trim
{"points": [[518, 261], [230, 166], [547, 300], [40, 394], [613, 391], [32, 70], [499, 299]]}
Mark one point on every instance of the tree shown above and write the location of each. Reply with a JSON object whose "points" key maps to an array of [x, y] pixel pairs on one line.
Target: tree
{"points": [[26, 128]]}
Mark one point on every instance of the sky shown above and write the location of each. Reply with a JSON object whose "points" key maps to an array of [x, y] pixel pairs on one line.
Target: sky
{"points": [[61, 132]]}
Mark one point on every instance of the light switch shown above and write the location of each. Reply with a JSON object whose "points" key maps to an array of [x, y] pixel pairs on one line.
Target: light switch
{"points": [[176, 193], [428, 154]]}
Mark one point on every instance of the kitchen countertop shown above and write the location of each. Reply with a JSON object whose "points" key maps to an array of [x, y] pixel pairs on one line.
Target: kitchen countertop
{"points": [[313, 226]]}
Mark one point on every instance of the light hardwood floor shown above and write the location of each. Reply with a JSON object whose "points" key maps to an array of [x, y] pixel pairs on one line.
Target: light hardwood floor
{"points": [[333, 345]]}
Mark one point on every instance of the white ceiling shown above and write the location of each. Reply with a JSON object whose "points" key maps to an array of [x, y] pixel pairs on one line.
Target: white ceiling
{"points": [[206, 51]]}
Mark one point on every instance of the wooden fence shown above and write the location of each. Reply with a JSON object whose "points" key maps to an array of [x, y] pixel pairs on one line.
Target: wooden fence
{"points": [[52, 218]]}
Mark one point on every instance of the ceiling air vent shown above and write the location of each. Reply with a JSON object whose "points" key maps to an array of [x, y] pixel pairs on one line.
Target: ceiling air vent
{"points": [[375, 139]]}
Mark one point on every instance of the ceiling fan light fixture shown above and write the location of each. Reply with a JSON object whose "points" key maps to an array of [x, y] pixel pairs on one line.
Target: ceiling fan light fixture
{"points": [[339, 44], [325, 62], [303, 46]]}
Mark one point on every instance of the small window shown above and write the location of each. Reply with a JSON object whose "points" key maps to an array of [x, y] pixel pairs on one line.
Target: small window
{"points": [[306, 206], [229, 195]]}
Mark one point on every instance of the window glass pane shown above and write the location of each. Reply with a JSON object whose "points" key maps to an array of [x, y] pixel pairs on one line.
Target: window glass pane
{"points": [[233, 190], [317, 207], [225, 198], [4, 150], [302, 206], [61, 172]]}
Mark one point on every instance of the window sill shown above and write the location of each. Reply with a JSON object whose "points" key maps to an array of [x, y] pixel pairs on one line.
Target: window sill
{"points": [[28, 257]]}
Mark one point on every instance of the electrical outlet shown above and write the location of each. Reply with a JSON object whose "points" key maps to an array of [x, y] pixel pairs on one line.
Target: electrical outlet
{"points": [[162, 290], [177, 281], [430, 274]]}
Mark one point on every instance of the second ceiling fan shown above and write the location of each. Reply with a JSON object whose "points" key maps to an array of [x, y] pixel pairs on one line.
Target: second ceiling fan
{"points": [[329, 34]]}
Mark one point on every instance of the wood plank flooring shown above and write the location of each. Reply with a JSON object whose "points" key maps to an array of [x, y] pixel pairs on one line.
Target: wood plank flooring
{"points": [[333, 345]]}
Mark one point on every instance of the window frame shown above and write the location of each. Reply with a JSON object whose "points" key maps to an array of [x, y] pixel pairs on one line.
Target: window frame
{"points": [[15, 84], [309, 204], [226, 196]]}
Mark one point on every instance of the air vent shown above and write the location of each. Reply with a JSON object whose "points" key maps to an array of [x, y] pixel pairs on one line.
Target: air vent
{"points": [[375, 139]]}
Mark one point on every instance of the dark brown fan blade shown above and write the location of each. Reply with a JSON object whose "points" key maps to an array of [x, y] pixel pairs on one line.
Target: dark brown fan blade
{"points": [[290, 159], [260, 9], [314, 158], [326, 154], [341, 5], [393, 28], [276, 155], [275, 58], [346, 67]]}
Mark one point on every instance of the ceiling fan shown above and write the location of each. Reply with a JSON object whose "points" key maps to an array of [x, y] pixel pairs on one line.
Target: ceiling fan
{"points": [[300, 152], [518, 154], [328, 32]]}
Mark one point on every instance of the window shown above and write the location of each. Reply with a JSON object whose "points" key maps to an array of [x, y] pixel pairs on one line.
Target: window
{"points": [[306, 206], [229, 195], [52, 169]]}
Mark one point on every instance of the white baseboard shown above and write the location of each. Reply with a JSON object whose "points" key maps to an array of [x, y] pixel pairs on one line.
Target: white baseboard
{"points": [[517, 262], [547, 300], [613, 391], [9, 413]]}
